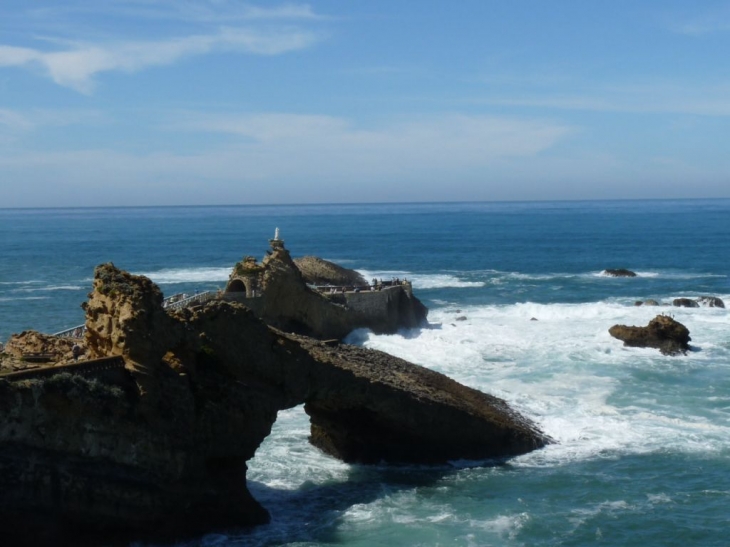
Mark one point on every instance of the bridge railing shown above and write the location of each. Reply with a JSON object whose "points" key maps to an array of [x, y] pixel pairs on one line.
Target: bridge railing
{"points": [[174, 302], [191, 300]]}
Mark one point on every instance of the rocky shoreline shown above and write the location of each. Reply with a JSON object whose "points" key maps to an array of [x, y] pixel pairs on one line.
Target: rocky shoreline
{"points": [[158, 449]]}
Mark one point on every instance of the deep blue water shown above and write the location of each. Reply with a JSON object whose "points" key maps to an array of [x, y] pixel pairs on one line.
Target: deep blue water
{"points": [[644, 440]]}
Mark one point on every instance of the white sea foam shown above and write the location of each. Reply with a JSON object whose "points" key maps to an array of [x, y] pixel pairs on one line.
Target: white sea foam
{"points": [[570, 376], [52, 288], [189, 275], [424, 281], [13, 298]]}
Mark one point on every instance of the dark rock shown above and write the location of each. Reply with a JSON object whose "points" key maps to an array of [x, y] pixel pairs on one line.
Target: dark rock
{"points": [[461, 318], [651, 302], [620, 272], [711, 301], [533, 318], [685, 303], [638, 303], [662, 332], [164, 456]]}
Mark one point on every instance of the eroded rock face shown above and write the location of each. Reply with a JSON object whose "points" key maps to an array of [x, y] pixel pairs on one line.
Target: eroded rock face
{"points": [[81, 460], [664, 333], [318, 271]]}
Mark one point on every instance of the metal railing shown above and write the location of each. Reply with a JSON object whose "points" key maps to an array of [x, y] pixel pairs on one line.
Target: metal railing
{"points": [[174, 302], [199, 298]]}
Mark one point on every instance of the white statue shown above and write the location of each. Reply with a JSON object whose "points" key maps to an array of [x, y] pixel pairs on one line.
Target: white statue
{"points": [[276, 235]]}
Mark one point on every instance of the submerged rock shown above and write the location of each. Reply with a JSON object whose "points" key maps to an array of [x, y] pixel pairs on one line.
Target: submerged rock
{"points": [[662, 332], [162, 454], [619, 272]]}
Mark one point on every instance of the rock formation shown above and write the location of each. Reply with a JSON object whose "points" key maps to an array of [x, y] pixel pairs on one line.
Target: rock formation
{"points": [[317, 271], [685, 303], [164, 454], [662, 332], [619, 272], [711, 301], [277, 292]]}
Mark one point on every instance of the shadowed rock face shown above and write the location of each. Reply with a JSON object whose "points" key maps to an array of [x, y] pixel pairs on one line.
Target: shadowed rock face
{"points": [[664, 333], [82, 460]]}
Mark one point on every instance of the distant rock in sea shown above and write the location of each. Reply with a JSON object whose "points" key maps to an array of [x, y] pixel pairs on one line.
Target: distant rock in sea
{"points": [[685, 303], [711, 301], [620, 272]]}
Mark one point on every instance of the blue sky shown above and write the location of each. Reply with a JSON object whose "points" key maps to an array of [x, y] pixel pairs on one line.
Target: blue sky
{"points": [[157, 102]]}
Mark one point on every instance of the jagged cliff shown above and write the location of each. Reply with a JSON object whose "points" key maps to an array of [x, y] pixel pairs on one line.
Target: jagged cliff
{"points": [[163, 454]]}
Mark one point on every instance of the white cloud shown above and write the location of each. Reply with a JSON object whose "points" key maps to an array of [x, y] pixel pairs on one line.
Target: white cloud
{"points": [[14, 120], [707, 22], [196, 11], [294, 158], [453, 141], [76, 66], [701, 99]]}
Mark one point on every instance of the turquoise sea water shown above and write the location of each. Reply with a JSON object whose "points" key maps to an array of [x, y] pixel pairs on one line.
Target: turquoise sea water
{"points": [[643, 452]]}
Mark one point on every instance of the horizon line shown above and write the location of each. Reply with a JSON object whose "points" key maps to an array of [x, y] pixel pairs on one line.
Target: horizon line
{"points": [[351, 204]]}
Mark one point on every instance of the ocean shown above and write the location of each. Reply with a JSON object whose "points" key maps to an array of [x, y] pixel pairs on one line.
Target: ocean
{"points": [[642, 456]]}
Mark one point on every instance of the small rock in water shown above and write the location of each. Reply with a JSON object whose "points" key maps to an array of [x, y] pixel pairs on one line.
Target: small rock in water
{"points": [[685, 303], [619, 272], [461, 318], [711, 301], [533, 318]]}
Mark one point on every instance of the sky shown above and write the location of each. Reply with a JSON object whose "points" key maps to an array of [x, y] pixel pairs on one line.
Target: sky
{"points": [[176, 102]]}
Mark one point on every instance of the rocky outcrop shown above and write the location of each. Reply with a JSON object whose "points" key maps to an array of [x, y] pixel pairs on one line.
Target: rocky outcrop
{"points": [[662, 332], [619, 272], [164, 455], [318, 271], [32, 343], [283, 299], [711, 301], [649, 302], [685, 303]]}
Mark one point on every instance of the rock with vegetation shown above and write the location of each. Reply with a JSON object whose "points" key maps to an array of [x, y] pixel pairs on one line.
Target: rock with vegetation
{"points": [[663, 332], [318, 271], [162, 456]]}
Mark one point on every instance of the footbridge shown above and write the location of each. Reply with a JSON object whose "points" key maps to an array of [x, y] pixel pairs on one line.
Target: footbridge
{"points": [[174, 302]]}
